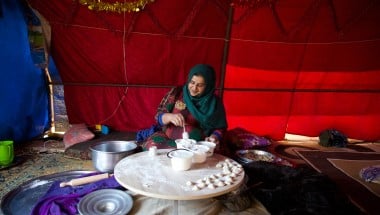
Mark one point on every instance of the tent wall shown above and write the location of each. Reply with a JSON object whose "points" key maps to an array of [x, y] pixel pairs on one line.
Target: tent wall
{"points": [[116, 67], [306, 66], [291, 66]]}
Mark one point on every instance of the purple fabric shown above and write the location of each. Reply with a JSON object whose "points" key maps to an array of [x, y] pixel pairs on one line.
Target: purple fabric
{"points": [[64, 200], [239, 138]]}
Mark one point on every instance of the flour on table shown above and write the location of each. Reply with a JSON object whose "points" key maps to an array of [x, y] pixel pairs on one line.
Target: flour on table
{"points": [[229, 171]]}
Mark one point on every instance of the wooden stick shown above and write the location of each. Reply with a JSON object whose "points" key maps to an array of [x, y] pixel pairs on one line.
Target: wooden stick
{"points": [[85, 180], [185, 135]]}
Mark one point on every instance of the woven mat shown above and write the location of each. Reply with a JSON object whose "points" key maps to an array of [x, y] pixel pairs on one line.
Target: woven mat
{"points": [[31, 166], [360, 195]]}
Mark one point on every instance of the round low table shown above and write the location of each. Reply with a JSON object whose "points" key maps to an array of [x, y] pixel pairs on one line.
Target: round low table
{"points": [[153, 176]]}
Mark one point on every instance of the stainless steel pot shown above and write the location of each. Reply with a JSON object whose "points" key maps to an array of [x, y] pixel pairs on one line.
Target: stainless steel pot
{"points": [[106, 154]]}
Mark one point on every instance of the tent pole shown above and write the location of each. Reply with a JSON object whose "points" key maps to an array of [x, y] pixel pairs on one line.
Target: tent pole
{"points": [[51, 101], [226, 49]]}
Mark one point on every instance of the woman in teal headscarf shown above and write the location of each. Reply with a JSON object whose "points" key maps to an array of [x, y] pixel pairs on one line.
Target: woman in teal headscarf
{"points": [[194, 106]]}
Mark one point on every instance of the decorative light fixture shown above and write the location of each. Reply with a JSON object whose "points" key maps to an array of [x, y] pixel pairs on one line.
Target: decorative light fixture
{"points": [[119, 7]]}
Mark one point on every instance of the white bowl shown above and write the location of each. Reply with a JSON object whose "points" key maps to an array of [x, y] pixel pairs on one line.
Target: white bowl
{"points": [[209, 144], [181, 159], [200, 153], [185, 143]]}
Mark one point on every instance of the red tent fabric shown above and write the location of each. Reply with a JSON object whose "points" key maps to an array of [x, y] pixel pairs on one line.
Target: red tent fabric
{"points": [[116, 67], [289, 66], [310, 65]]}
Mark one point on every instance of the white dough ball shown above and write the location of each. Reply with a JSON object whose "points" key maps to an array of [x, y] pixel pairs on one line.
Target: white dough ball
{"points": [[211, 186], [201, 185]]}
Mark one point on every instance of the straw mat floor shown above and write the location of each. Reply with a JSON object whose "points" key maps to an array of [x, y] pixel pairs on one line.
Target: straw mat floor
{"points": [[32, 164]]}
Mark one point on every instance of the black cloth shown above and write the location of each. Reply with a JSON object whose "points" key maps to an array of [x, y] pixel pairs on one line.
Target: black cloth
{"points": [[288, 191]]}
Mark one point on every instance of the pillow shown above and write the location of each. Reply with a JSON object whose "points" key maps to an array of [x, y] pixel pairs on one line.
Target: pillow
{"points": [[77, 133], [239, 138]]}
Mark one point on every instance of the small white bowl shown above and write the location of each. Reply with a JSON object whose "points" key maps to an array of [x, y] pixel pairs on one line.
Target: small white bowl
{"points": [[181, 159], [209, 144], [200, 153], [185, 143]]}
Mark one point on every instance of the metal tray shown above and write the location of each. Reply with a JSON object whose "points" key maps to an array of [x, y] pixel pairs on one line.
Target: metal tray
{"points": [[247, 156], [21, 200]]}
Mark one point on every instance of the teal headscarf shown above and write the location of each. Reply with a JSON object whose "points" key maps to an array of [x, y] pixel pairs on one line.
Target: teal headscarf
{"points": [[207, 108]]}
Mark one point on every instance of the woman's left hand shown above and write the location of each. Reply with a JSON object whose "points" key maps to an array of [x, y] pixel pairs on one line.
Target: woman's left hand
{"points": [[212, 138]]}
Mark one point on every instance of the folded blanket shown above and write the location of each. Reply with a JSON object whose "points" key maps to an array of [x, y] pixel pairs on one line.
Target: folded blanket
{"points": [[64, 200]]}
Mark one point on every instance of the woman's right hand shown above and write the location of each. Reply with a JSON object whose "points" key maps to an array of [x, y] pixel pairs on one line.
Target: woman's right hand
{"points": [[176, 119]]}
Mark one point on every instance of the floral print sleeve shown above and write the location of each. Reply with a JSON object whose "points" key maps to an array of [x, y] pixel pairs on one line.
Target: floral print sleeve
{"points": [[167, 103]]}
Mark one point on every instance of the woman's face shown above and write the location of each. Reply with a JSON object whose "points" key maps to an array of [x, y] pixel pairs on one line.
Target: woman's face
{"points": [[196, 85]]}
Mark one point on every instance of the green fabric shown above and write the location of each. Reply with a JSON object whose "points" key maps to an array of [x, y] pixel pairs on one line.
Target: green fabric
{"points": [[207, 108]]}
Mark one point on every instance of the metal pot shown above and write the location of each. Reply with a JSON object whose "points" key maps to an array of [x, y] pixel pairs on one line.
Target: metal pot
{"points": [[106, 154]]}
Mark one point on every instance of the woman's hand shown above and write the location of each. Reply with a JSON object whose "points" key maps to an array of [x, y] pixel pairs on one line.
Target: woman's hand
{"points": [[176, 119], [212, 138]]}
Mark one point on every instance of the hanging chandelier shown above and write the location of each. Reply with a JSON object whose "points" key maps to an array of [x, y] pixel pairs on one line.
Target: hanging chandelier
{"points": [[119, 7]]}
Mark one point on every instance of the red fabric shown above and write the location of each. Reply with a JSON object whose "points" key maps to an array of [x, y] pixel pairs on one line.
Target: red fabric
{"points": [[314, 68], [296, 66], [160, 45]]}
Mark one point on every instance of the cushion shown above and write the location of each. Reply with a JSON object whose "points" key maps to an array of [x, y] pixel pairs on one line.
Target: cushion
{"points": [[240, 138], [77, 133]]}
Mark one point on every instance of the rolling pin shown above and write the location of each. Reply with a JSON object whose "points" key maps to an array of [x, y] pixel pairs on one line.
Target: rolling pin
{"points": [[85, 180]]}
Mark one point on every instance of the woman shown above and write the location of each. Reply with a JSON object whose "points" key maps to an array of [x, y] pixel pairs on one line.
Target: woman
{"points": [[194, 108]]}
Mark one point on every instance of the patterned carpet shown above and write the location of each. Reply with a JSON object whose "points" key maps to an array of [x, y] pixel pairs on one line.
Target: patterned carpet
{"points": [[29, 166], [347, 175]]}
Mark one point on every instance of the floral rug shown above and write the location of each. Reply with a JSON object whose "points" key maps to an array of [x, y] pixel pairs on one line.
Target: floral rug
{"points": [[33, 165]]}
